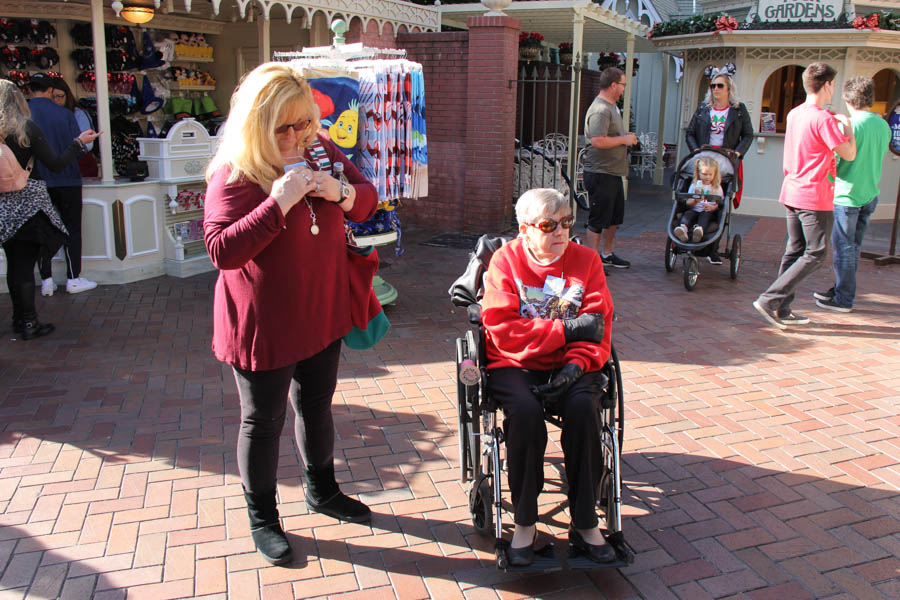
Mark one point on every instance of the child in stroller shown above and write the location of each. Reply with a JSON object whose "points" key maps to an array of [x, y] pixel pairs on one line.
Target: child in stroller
{"points": [[707, 181]]}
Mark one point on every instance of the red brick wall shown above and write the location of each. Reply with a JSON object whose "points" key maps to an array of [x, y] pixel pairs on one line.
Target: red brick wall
{"points": [[370, 37], [490, 122], [444, 59]]}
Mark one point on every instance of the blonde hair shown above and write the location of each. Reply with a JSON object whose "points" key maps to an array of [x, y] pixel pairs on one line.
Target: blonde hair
{"points": [[14, 113], [732, 91], [267, 94], [706, 161]]}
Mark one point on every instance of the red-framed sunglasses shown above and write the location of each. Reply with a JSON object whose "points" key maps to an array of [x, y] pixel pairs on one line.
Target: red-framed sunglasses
{"points": [[298, 126], [549, 225]]}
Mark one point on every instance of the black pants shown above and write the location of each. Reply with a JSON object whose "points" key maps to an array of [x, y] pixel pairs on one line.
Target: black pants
{"points": [[700, 218], [20, 259], [310, 386], [67, 201], [526, 440]]}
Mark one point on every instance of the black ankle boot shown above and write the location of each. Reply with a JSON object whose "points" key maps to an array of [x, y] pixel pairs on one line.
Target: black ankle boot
{"points": [[265, 528], [35, 329], [324, 496]]}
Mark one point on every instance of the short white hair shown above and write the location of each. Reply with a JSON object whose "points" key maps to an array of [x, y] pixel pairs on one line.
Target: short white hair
{"points": [[539, 202]]}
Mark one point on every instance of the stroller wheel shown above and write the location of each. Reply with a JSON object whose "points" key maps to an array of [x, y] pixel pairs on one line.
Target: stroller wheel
{"points": [[481, 498], [670, 256], [691, 272], [735, 256]]}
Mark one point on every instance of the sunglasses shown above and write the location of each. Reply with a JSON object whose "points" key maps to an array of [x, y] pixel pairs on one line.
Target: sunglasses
{"points": [[549, 225], [298, 127], [717, 85]]}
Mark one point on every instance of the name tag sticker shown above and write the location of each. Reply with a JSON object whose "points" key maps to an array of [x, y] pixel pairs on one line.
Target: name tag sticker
{"points": [[554, 286]]}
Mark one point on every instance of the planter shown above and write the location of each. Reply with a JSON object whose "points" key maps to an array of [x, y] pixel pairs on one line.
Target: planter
{"points": [[529, 52], [565, 58]]}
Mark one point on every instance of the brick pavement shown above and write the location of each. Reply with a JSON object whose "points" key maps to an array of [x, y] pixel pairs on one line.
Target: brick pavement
{"points": [[758, 464]]}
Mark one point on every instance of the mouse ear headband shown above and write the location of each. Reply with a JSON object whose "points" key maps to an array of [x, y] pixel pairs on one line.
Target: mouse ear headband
{"points": [[728, 70]]}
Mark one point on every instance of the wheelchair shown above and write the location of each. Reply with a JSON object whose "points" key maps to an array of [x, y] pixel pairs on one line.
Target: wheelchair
{"points": [[480, 434]]}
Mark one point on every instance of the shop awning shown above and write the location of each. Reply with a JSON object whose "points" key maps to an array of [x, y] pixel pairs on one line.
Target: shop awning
{"points": [[604, 29]]}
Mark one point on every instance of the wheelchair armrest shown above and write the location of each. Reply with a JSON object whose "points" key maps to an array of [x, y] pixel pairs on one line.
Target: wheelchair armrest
{"points": [[474, 313]]}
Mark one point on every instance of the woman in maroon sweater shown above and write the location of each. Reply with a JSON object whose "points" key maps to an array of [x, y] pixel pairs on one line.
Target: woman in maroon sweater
{"points": [[274, 226]]}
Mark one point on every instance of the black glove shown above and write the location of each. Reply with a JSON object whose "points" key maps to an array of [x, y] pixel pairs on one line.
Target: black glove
{"points": [[588, 327], [554, 390]]}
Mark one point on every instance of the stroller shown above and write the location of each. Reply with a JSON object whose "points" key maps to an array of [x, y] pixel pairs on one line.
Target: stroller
{"points": [[684, 174]]}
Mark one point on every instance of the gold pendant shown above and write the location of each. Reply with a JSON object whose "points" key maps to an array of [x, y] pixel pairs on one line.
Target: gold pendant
{"points": [[314, 229]]}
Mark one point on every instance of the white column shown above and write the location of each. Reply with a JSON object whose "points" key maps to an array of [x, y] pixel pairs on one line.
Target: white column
{"points": [[661, 127], [575, 97], [106, 159], [264, 30], [629, 73]]}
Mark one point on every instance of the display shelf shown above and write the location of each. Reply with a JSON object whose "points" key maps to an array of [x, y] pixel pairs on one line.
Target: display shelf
{"points": [[192, 59], [176, 87]]}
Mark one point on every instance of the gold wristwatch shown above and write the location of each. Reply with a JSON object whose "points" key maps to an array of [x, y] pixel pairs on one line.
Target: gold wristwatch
{"points": [[346, 190]]}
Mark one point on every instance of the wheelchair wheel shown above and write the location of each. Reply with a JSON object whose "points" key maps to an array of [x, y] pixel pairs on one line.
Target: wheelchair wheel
{"points": [[467, 407], [691, 272], [481, 504], [735, 256], [670, 256]]}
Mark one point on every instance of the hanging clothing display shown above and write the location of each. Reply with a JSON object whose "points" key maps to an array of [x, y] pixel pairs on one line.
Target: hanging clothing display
{"points": [[374, 110]]}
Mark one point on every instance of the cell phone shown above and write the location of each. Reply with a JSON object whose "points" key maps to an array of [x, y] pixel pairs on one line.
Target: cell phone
{"points": [[301, 163]]}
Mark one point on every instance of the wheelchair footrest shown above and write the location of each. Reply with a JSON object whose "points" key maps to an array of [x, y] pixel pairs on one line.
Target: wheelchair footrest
{"points": [[545, 559]]}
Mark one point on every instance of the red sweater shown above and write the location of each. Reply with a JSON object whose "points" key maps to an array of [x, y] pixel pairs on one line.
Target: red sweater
{"points": [[524, 324], [283, 294]]}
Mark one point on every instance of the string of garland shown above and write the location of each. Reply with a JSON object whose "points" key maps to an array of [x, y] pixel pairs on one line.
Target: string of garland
{"points": [[712, 22]]}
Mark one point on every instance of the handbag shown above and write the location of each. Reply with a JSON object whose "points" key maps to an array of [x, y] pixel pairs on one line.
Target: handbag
{"points": [[12, 175], [366, 314]]}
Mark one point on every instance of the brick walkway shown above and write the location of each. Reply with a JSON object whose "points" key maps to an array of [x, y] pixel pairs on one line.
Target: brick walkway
{"points": [[759, 464]]}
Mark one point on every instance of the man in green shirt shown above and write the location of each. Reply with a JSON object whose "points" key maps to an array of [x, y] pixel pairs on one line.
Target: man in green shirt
{"points": [[855, 192]]}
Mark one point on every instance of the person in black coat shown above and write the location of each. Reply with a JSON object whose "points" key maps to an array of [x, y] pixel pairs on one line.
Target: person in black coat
{"points": [[27, 218], [721, 120]]}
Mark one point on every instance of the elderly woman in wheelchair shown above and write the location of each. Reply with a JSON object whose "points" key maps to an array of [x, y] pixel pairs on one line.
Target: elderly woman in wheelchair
{"points": [[547, 316]]}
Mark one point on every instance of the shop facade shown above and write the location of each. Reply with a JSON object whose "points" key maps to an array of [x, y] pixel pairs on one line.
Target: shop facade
{"points": [[769, 63], [134, 230]]}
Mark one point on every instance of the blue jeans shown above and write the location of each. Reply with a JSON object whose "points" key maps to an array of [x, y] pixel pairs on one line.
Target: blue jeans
{"points": [[850, 223]]}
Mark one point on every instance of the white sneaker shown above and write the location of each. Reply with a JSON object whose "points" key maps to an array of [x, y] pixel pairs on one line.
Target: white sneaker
{"points": [[697, 234], [48, 286], [74, 286], [681, 233]]}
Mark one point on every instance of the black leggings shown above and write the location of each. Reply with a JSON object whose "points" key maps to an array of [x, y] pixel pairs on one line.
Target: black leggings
{"points": [[702, 219], [310, 385], [20, 259], [526, 439]]}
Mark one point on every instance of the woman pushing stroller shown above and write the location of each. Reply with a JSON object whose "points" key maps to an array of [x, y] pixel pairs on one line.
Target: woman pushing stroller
{"points": [[722, 121]]}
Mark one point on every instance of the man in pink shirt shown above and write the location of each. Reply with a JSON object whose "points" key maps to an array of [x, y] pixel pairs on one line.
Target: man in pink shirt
{"points": [[812, 137]]}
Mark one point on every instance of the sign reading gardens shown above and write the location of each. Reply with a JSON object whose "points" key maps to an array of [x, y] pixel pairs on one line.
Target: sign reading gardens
{"points": [[799, 10]]}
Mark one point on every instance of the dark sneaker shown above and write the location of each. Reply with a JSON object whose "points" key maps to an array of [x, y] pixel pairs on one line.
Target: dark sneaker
{"points": [[714, 258], [614, 261], [793, 319], [829, 295], [769, 315], [832, 305]]}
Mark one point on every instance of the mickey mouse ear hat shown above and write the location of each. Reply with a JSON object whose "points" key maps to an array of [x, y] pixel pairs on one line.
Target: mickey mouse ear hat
{"points": [[150, 102], [728, 70]]}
